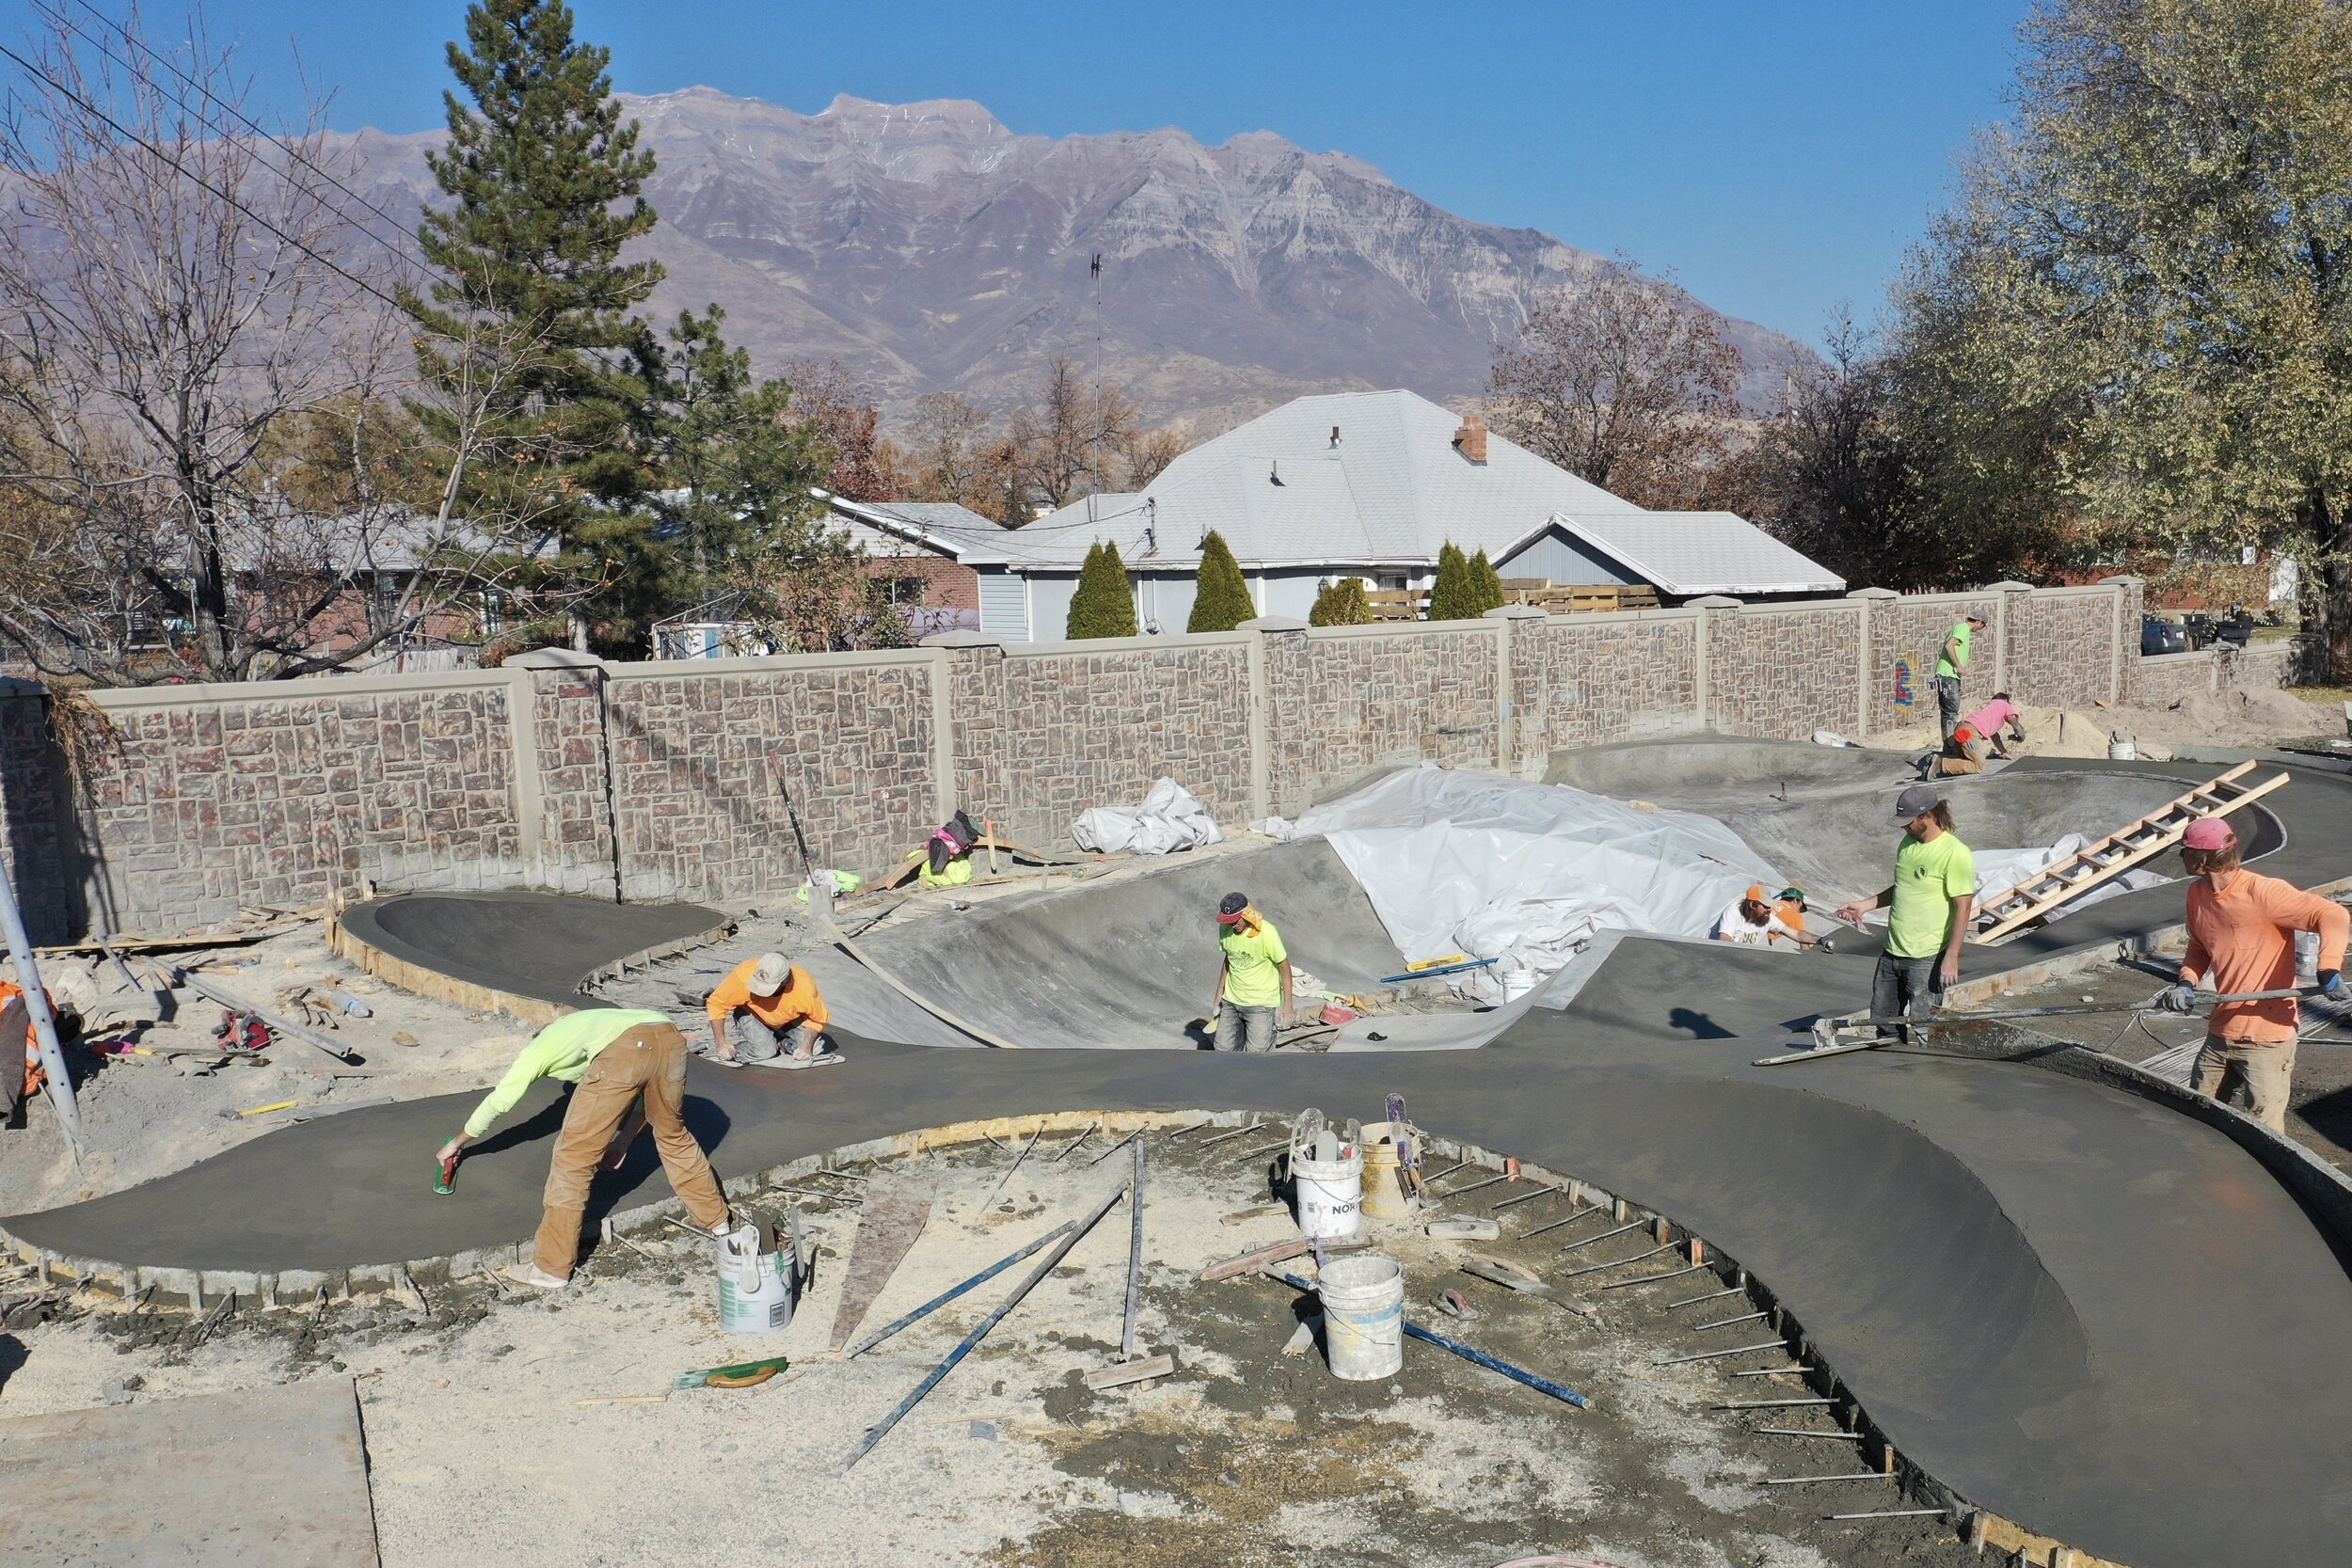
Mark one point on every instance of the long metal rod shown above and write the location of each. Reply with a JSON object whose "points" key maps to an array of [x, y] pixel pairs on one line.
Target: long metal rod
{"points": [[1653, 1278], [1711, 1295], [60, 1085], [1808, 1480], [1236, 1133], [1800, 1432], [1135, 1260], [1727, 1323], [1603, 1268], [2002, 1014], [945, 1296], [1016, 1164], [1581, 1214], [1528, 1198], [1719, 1354], [1114, 1148], [964, 1347], [1073, 1144], [1602, 1236]]}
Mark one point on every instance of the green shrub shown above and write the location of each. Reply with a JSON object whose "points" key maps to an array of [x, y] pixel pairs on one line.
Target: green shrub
{"points": [[1489, 581], [1340, 604], [1105, 605], [1220, 599], [1454, 596]]}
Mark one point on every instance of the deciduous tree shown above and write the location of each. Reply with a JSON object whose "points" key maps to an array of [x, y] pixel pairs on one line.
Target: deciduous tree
{"points": [[1624, 381]]}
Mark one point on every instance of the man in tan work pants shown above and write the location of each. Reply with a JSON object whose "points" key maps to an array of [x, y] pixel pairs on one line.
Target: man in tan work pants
{"points": [[628, 1066]]}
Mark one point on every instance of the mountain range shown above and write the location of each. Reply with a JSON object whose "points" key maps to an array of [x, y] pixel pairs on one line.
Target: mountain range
{"points": [[930, 248]]}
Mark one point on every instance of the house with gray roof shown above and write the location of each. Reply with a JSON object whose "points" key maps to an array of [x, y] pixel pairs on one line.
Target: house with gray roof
{"points": [[1368, 485]]}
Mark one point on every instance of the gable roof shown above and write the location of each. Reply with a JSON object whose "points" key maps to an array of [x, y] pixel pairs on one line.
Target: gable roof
{"points": [[887, 528], [1702, 553], [1390, 491]]}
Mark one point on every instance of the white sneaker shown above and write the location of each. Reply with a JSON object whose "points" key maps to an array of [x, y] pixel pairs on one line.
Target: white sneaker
{"points": [[532, 1275]]}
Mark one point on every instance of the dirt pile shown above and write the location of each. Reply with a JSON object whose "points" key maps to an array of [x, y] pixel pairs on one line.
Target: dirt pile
{"points": [[2245, 716]]}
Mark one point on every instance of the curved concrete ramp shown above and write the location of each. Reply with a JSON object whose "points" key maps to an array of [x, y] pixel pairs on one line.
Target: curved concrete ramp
{"points": [[2074, 1306], [540, 946]]}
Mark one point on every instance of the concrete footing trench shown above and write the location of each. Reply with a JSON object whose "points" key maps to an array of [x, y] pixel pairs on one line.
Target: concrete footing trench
{"points": [[2078, 1306]]}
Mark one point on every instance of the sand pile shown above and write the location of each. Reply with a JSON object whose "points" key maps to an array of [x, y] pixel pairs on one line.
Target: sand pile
{"points": [[2246, 717]]}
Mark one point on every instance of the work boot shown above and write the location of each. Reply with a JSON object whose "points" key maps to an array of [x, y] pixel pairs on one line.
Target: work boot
{"points": [[531, 1273]]}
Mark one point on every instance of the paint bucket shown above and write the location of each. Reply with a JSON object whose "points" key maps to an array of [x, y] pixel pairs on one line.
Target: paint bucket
{"points": [[1363, 1317], [1383, 1187], [1327, 1191], [754, 1287], [2120, 748]]}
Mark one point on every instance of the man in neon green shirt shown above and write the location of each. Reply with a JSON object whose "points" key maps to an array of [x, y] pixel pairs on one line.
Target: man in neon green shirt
{"points": [[1958, 643], [629, 1069], [1253, 981], [1933, 898]]}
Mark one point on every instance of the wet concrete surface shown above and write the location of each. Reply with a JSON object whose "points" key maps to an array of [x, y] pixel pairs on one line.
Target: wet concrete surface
{"points": [[2073, 1306]]}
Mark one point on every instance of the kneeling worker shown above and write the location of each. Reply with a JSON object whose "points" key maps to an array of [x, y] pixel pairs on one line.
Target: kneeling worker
{"points": [[629, 1069], [2240, 936], [1751, 922], [1254, 982], [768, 1004]]}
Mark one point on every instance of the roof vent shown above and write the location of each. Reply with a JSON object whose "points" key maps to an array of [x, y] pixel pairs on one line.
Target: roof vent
{"points": [[1335, 435], [1470, 440], [1275, 477]]}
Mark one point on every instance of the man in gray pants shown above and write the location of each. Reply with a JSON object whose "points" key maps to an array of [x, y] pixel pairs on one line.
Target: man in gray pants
{"points": [[1253, 983]]}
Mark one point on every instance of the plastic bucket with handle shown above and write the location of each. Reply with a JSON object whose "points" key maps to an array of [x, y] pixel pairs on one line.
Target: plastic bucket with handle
{"points": [[754, 1287], [1328, 1192], [1363, 1317]]}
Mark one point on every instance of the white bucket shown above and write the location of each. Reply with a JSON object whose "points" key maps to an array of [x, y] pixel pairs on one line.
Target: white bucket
{"points": [[2120, 748], [754, 1287], [1329, 1193], [1363, 1317]]}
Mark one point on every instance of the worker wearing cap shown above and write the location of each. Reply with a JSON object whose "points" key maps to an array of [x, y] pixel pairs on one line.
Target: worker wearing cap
{"points": [[1751, 922], [1788, 903], [628, 1069], [1928, 908], [2240, 937], [764, 1006], [1254, 982], [1958, 643]]}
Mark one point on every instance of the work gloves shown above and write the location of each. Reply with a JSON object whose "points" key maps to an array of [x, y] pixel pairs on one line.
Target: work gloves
{"points": [[2178, 999], [2331, 982]]}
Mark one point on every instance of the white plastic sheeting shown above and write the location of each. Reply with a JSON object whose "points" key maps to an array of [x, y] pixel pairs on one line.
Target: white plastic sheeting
{"points": [[1170, 819], [1525, 873], [1999, 870]]}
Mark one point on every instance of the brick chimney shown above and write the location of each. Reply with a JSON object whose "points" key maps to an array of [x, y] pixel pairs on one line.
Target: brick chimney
{"points": [[1470, 440]]}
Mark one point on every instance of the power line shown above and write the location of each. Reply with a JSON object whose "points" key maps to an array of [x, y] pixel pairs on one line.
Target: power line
{"points": [[166, 61], [198, 179]]}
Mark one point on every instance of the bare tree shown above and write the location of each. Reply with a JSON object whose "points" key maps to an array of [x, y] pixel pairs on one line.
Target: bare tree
{"points": [[1624, 381], [831, 399], [950, 453], [1068, 441], [172, 296], [1145, 455]]}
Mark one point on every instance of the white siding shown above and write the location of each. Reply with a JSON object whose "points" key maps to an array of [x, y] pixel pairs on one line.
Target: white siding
{"points": [[1004, 606]]}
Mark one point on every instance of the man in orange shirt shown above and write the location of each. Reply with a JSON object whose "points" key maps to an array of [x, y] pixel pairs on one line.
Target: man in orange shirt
{"points": [[2240, 930], [765, 1004]]}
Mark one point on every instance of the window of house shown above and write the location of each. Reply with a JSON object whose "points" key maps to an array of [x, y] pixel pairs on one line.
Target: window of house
{"points": [[906, 591], [493, 612]]}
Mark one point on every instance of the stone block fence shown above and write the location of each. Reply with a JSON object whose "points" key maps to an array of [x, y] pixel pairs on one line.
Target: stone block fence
{"points": [[670, 780]]}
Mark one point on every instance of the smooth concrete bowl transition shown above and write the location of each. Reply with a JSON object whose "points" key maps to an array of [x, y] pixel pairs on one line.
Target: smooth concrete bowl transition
{"points": [[2070, 1303]]}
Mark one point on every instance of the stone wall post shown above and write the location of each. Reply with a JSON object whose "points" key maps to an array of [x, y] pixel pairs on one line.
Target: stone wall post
{"points": [[967, 700], [1506, 716], [1709, 607], [2009, 622], [562, 750], [1866, 601], [2130, 598], [1292, 633]]}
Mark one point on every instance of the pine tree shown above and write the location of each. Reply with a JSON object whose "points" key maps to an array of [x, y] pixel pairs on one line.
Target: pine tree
{"points": [[1454, 597], [1104, 604], [1341, 603], [529, 346], [1489, 583], [1220, 599]]}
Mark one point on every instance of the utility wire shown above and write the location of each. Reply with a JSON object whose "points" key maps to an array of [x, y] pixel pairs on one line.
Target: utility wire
{"points": [[198, 179], [150, 52]]}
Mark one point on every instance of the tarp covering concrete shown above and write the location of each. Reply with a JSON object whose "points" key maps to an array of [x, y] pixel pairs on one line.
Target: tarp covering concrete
{"points": [[1473, 862]]}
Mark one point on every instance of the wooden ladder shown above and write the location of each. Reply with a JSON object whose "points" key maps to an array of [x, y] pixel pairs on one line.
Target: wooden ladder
{"points": [[2117, 853]]}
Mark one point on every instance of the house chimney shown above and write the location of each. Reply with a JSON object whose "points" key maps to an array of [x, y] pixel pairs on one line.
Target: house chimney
{"points": [[1470, 440], [1335, 435]]}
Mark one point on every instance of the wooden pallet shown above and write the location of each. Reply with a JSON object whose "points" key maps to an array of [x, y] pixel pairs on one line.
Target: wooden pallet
{"points": [[2118, 852], [1580, 599], [1398, 604]]}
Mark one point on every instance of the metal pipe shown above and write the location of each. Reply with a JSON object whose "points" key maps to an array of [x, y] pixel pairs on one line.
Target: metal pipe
{"points": [[1652, 1278], [1571, 1246], [1236, 1133], [1727, 1323], [1719, 1354], [60, 1085], [1525, 1198], [964, 1347], [1135, 1260], [1711, 1295], [1581, 1214], [1601, 1268], [944, 1298]]}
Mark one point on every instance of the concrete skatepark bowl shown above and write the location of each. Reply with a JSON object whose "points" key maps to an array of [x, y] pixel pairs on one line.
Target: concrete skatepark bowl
{"points": [[2066, 1302]]}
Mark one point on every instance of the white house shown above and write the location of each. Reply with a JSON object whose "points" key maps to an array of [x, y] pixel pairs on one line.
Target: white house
{"points": [[1368, 485]]}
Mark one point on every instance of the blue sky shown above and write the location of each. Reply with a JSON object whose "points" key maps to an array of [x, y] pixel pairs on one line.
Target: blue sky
{"points": [[1778, 155]]}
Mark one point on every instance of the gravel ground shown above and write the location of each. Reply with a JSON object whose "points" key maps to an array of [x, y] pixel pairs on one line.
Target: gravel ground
{"points": [[486, 1439]]}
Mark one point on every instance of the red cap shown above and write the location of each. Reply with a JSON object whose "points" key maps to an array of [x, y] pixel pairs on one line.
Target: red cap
{"points": [[2208, 832]]}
